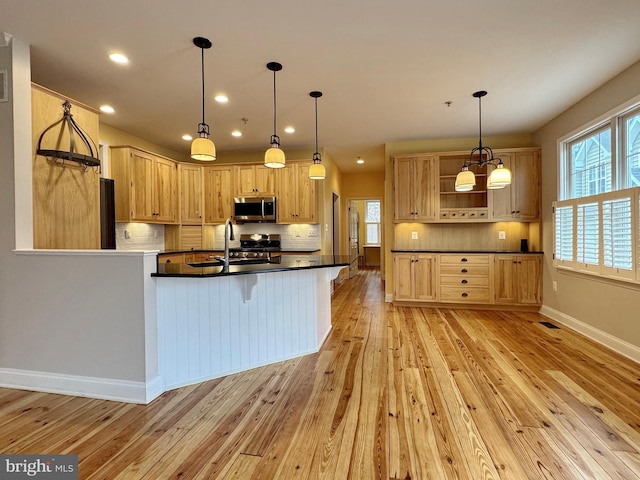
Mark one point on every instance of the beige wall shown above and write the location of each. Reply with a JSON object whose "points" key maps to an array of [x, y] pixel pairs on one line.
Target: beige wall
{"points": [[608, 306]]}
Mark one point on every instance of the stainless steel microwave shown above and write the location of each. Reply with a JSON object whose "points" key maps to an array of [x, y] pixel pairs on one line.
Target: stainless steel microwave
{"points": [[254, 209]]}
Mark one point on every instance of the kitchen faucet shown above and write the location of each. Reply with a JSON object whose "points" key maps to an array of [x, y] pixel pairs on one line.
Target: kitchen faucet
{"points": [[228, 235]]}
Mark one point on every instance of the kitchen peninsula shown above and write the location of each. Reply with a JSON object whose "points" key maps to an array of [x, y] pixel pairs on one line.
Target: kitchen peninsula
{"points": [[215, 320]]}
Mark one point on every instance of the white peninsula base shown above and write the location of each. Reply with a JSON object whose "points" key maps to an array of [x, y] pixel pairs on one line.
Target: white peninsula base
{"points": [[214, 326]]}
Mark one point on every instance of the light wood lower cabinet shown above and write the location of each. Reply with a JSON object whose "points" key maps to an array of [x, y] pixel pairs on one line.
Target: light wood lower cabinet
{"points": [[518, 279], [464, 278], [479, 279], [415, 277]]}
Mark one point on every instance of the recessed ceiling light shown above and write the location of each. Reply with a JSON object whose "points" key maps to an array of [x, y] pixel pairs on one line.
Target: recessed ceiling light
{"points": [[359, 161], [221, 98], [289, 129], [119, 58], [107, 109], [187, 137], [236, 133]]}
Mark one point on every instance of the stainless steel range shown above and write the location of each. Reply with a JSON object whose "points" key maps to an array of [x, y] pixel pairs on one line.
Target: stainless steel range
{"points": [[256, 245]]}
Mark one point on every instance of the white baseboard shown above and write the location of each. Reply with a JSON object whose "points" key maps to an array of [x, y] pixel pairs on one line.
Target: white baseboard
{"points": [[91, 387], [614, 343], [388, 298]]}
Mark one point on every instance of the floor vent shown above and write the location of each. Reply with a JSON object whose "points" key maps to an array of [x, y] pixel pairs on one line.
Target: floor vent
{"points": [[549, 325]]}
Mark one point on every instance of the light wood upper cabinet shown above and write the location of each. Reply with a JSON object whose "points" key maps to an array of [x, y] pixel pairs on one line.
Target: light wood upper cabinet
{"points": [[218, 197], [415, 277], [296, 194], [191, 198], [415, 188], [145, 186], [520, 200], [518, 279], [254, 181]]}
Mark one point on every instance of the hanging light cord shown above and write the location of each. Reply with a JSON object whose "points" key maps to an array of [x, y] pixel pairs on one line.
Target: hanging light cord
{"points": [[274, 103], [202, 72], [480, 125], [316, 101]]}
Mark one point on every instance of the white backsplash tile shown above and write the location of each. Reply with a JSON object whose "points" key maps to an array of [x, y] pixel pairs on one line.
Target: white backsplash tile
{"points": [[139, 236], [293, 237]]}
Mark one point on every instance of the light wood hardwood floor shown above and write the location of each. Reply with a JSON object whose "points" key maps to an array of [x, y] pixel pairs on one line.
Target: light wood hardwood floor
{"points": [[409, 393]]}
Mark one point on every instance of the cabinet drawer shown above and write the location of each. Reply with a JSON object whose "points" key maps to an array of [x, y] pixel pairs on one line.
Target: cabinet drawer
{"points": [[462, 259], [465, 280], [462, 294], [171, 258], [465, 270], [479, 214]]}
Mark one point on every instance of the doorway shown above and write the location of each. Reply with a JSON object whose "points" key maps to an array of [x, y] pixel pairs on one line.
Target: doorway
{"points": [[354, 238], [335, 246], [365, 231]]}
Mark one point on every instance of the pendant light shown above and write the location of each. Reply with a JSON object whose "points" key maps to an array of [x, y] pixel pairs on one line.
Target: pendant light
{"points": [[202, 148], [500, 177], [316, 171], [274, 157]]}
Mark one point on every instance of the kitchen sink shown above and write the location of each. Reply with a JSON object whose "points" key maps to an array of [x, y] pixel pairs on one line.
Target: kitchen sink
{"points": [[236, 261]]}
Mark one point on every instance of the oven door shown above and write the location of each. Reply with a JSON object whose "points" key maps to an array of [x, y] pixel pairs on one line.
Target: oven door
{"points": [[254, 209]]}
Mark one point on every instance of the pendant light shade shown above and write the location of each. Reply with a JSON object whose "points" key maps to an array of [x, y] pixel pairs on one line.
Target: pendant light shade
{"points": [[202, 148], [316, 171], [500, 177], [274, 156], [465, 180]]}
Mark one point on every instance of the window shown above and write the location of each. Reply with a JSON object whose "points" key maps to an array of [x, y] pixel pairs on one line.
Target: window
{"points": [[372, 222], [597, 219], [631, 142], [589, 164]]}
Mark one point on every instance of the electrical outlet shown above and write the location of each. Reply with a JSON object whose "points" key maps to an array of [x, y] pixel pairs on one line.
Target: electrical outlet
{"points": [[502, 235], [555, 286], [297, 233], [127, 234], [414, 235]]}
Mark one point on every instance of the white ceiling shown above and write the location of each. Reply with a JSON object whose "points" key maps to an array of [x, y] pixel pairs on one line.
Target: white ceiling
{"points": [[386, 68]]}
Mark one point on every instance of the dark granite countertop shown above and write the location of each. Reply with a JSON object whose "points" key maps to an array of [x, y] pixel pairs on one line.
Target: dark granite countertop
{"points": [[278, 264], [207, 250], [469, 252]]}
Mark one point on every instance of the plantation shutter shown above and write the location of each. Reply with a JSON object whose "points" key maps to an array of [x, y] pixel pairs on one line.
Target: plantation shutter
{"points": [[563, 235], [588, 236], [616, 233]]}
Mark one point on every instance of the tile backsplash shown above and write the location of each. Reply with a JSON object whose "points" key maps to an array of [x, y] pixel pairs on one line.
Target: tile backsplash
{"points": [[293, 237], [145, 236], [139, 236]]}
